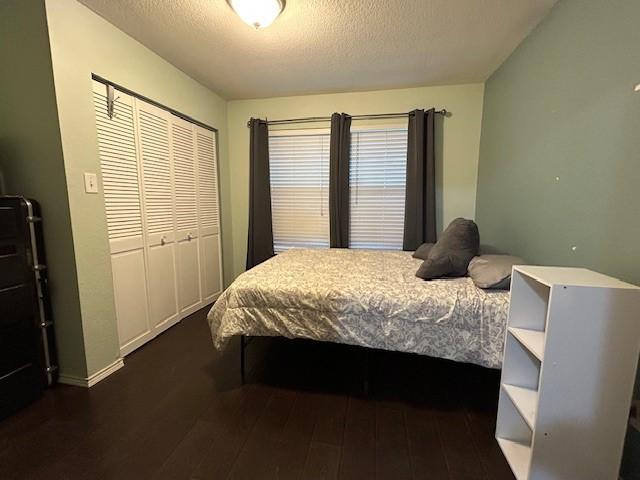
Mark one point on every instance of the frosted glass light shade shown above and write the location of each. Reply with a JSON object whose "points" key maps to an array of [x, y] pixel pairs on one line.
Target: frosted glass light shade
{"points": [[257, 13]]}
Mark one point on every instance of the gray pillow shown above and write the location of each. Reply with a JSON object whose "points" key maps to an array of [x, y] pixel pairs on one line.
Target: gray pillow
{"points": [[423, 251], [493, 271], [450, 256]]}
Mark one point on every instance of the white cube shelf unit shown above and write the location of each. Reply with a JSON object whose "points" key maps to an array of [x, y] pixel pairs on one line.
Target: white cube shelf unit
{"points": [[571, 351]]}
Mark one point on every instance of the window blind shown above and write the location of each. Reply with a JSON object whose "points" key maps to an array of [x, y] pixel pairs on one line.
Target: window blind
{"points": [[299, 171], [377, 174]]}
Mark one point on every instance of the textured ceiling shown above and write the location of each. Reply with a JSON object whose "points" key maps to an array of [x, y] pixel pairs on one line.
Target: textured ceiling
{"points": [[329, 45]]}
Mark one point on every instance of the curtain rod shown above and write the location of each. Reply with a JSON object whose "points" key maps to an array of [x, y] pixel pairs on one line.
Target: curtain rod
{"points": [[373, 116]]}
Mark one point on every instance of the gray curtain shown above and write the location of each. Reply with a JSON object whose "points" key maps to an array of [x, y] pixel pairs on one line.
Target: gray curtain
{"points": [[339, 152], [260, 238], [420, 197]]}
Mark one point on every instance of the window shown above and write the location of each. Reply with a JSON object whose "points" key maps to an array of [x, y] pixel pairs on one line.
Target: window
{"points": [[299, 170], [377, 178]]}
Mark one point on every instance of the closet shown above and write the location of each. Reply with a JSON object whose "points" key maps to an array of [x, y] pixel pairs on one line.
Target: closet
{"points": [[160, 183]]}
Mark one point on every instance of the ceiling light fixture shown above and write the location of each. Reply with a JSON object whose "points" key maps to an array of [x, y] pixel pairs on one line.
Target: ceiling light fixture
{"points": [[257, 13]]}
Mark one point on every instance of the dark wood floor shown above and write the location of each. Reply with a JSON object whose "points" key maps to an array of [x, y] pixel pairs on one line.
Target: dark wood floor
{"points": [[176, 410]]}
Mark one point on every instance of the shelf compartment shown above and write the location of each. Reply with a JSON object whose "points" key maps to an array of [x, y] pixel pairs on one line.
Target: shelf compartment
{"points": [[525, 400], [529, 302], [514, 435], [520, 367], [518, 456], [510, 423], [533, 340]]}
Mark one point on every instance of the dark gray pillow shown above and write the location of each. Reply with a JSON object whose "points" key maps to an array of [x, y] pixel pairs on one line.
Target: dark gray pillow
{"points": [[450, 256], [423, 251], [493, 271]]}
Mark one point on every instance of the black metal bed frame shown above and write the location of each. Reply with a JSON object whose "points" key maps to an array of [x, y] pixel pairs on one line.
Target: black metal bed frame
{"points": [[243, 346], [245, 340]]}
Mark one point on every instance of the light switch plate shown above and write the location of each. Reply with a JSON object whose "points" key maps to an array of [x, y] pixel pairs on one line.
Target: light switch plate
{"points": [[90, 182]]}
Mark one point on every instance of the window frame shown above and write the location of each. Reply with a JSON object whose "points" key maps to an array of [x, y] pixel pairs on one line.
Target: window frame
{"points": [[372, 127], [367, 126], [289, 132]]}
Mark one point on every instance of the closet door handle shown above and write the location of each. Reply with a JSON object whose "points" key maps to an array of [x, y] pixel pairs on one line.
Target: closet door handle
{"points": [[163, 240], [189, 237]]}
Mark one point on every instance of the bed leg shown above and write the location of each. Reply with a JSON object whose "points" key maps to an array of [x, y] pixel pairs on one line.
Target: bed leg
{"points": [[366, 373], [242, 352]]}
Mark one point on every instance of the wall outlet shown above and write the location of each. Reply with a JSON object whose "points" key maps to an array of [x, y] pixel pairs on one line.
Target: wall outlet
{"points": [[90, 182]]}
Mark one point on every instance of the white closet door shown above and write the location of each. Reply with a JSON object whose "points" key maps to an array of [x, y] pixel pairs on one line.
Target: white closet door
{"points": [[183, 145], [208, 214], [121, 186], [157, 181]]}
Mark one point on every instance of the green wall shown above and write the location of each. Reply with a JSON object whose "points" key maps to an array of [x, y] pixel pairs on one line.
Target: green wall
{"points": [[560, 148], [457, 136], [31, 161]]}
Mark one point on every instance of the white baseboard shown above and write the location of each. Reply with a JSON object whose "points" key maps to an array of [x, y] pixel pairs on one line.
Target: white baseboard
{"points": [[93, 379]]}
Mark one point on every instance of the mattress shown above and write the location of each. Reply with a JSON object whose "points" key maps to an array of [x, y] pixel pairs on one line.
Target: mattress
{"points": [[363, 297]]}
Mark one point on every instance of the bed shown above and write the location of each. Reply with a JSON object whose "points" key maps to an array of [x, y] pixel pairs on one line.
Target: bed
{"points": [[367, 298]]}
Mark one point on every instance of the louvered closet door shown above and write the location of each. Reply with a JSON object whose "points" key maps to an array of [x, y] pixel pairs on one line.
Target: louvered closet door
{"points": [[154, 127], [121, 186], [208, 214], [183, 142]]}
